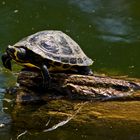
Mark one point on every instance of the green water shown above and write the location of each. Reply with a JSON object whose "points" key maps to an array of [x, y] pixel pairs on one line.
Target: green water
{"points": [[107, 31]]}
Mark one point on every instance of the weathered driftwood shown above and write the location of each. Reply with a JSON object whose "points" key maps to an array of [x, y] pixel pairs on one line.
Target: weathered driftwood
{"points": [[73, 86]]}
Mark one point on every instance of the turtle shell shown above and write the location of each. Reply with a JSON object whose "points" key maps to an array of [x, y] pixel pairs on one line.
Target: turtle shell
{"points": [[56, 46]]}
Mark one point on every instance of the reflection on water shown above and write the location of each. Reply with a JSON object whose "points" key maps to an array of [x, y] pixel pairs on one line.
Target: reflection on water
{"points": [[88, 6], [113, 20], [112, 26], [5, 118], [106, 120], [113, 36], [114, 30]]}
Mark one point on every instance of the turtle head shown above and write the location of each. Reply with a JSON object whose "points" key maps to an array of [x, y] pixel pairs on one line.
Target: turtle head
{"points": [[15, 53]]}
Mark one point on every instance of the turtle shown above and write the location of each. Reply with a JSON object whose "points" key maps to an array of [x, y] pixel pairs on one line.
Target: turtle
{"points": [[48, 51]]}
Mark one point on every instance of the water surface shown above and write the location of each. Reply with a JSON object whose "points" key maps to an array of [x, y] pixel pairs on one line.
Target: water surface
{"points": [[108, 32]]}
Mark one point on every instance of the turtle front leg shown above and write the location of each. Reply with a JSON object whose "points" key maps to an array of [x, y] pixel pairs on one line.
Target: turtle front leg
{"points": [[46, 76]]}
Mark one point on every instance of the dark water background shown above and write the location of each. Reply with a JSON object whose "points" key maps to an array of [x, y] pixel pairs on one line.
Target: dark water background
{"points": [[108, 32]]}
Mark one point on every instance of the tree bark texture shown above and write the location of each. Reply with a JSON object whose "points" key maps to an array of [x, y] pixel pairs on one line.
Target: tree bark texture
{"points": [[74, 86]]}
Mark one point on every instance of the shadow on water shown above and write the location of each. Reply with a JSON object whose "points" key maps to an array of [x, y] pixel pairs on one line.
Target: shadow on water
{"points": [[108, 32]]}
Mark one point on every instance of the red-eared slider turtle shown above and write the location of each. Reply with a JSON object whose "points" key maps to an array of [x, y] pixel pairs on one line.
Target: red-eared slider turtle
{"points": [[48, 51]]}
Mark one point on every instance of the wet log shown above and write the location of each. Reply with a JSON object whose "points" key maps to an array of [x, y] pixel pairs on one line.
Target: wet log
{"points": [[73, 86]]}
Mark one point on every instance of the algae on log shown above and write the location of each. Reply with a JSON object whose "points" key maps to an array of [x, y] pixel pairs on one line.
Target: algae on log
{"points": [[73, 86]]}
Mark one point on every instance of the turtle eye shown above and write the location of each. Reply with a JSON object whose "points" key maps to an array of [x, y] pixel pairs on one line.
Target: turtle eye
{"points": [[21, 54]]}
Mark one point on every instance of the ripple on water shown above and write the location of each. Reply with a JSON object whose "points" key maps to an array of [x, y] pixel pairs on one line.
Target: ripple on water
{"points": [[2, 90], [5, 120]]}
